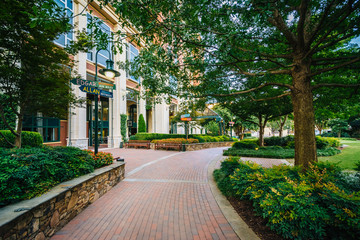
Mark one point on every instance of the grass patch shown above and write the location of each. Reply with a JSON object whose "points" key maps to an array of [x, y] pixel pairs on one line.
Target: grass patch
{"points": [[348, 156]]}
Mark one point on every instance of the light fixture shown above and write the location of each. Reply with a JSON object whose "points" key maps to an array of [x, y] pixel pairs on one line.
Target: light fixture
{"points": [[109, 70]]}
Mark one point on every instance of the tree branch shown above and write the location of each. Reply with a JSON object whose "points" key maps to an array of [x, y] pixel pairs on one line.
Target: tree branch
{"points": [[271, 98], [320, 85], [335, 67], [251, 90], [300, 29], [278, 22]]}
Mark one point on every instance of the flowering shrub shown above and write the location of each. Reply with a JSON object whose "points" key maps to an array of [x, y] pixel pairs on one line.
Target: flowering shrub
{"points": [[176, 140], [101, 158]]}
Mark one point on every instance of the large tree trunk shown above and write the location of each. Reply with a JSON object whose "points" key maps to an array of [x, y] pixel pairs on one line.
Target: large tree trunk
{"points": [[18, 131], [302, 100]]}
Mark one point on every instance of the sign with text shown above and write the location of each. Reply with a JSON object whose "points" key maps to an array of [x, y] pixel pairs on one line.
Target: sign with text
{"points": [[89, 83], [185, 115], [106, 94], [92, 90], [186, 119]]}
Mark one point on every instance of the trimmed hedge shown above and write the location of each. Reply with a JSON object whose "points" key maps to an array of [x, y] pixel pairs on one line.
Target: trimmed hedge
{"points": [[275, 152], [176, 140], [278, 141], [318, 203], [201, 138], [288, 141], [29, 172], [28, 139], [245, 144]]}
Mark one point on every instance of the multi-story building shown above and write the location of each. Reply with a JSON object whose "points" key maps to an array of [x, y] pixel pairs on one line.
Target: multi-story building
{"points": [[78, 129]]}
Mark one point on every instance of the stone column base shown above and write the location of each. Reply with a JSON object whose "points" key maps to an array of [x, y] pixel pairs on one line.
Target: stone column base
{"points": [[114, 142], [81, 143]]}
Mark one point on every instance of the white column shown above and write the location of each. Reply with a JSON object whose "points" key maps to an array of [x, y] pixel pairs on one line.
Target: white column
{"points": [[119, 101], [161, 116], [77, 116]]}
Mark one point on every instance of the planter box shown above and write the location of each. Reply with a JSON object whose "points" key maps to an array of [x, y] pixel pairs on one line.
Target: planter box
{"points": [[39, 218]]}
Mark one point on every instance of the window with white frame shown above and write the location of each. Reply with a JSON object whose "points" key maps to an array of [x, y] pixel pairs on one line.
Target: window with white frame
{"points": [[102, 55], [131, 53], [65, 38]]}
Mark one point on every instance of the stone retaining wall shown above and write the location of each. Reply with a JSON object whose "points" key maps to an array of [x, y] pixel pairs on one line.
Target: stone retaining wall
{"points": [[199, 146], [39, 218]]}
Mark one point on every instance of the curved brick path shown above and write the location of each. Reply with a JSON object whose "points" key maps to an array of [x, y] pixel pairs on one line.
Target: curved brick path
{"points": [[165, 195]]}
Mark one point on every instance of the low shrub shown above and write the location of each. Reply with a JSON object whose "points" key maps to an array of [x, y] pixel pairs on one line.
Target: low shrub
{"points": [[324, 142], [157, 136], [101, 158], [357, 164], [28, 139], [245, 145], [235, 139], [29, 172], [176, 140], [274, 152], [298, 204], [278, 141]]}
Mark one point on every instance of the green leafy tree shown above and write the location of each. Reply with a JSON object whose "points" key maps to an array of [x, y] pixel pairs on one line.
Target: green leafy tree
{"points": [[34, 73], [123, 119], [338, 125], [213, 128], [297, 46], [141, 124]]}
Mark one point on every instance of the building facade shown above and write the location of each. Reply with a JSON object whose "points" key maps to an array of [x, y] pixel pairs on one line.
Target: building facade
{"points": [[78, 129]]}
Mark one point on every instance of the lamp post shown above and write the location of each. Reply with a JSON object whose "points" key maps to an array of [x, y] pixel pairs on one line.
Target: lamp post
{"points": [[110, 73]]}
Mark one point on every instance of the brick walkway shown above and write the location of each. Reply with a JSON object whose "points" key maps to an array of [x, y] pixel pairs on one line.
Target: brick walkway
{"points": [[165, 195]]}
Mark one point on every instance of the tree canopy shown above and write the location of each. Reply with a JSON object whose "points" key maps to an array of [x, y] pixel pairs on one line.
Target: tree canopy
{"points": [[213, 47], [34, 71]]}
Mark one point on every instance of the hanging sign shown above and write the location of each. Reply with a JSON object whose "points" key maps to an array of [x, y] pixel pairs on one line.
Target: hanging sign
{"points": [[96, 91], [106, 94], [90, 90], [186, 119], [185, 115], [89, 83]]}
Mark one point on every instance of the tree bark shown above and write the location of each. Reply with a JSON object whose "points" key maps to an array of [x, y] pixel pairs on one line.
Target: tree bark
{"points": [[18, 131], [282, 123], [261, 131], [304, 121]]}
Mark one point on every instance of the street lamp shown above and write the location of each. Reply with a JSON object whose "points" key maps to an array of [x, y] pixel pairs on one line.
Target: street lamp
{"points": [[110, 73]]}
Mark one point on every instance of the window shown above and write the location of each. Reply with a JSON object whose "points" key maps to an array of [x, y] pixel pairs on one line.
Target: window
{"points": [[102, 55], [65, 38], [131, 53], [49, 128]]}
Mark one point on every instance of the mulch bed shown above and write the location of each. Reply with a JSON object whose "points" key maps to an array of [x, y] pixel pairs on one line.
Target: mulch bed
{"points": [[246, 211]]}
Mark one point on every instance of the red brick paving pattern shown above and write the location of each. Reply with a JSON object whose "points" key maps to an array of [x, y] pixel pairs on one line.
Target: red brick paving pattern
{"points": [[169, 199]]}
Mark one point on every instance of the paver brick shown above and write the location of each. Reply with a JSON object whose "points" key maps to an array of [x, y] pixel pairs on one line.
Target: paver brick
{"points": [[169, 198]]}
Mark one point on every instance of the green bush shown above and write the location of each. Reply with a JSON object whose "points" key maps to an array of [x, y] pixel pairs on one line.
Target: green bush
{"points": [[29, 172], [324, 142], [274, 152], [246, 144], [28, 139], [123, 126], [201, 138], [298, 204], [278, 141], [141, 124]]}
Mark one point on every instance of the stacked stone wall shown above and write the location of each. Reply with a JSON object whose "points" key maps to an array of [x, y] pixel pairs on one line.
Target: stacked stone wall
{"points": [[41, 217]]}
